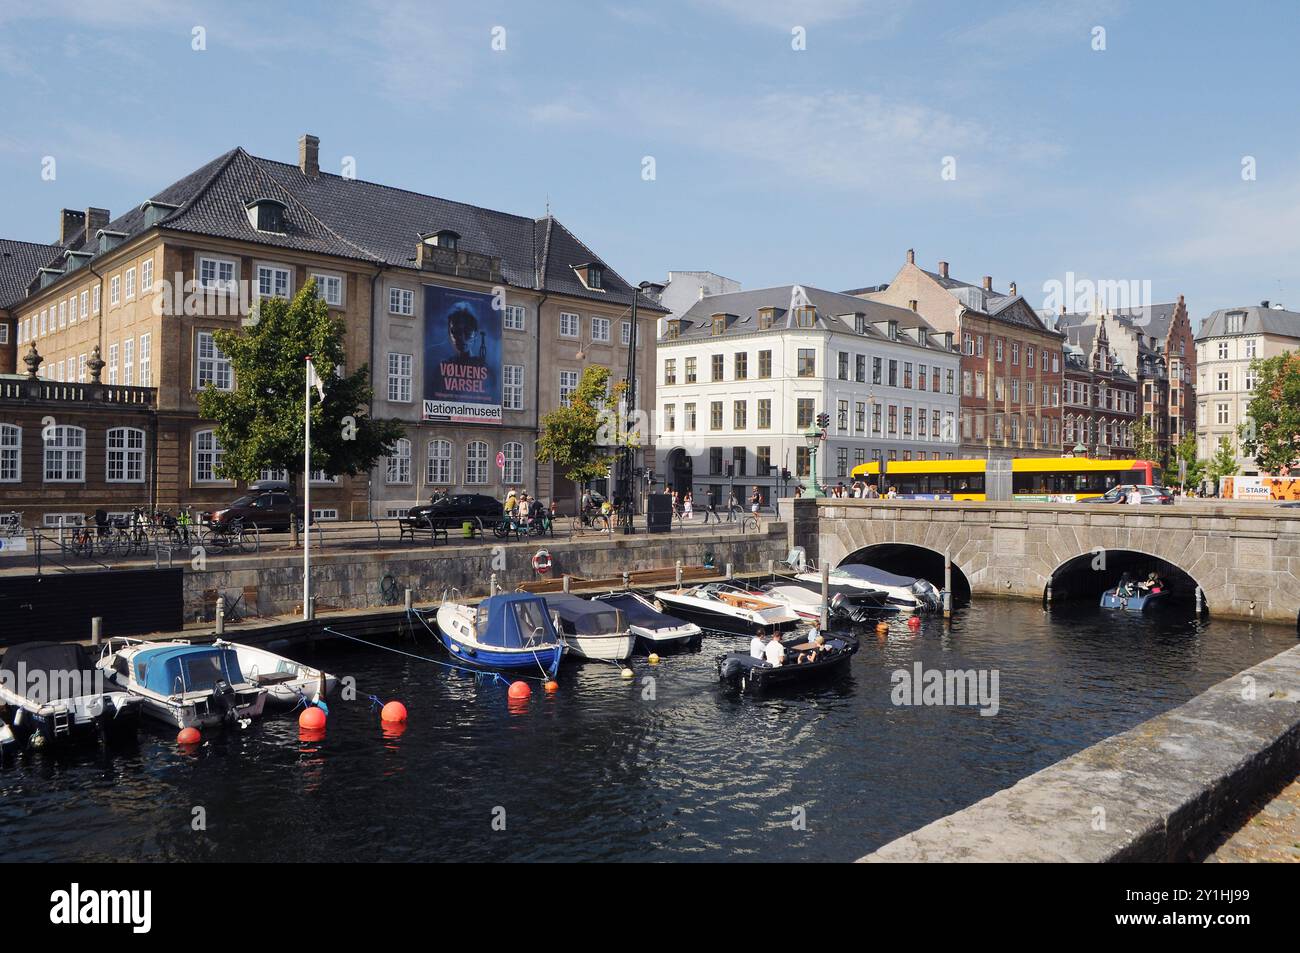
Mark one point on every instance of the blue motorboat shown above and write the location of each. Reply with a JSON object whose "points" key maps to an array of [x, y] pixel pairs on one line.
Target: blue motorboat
{"points": [[511, 631], [1135, 598], [189, 686]]}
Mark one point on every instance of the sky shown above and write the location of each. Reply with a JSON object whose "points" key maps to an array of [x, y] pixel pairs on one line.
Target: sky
{"points": [[1152, 143]]}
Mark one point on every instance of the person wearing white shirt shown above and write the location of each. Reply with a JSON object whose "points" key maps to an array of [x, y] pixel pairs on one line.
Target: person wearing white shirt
{"points": [[775, 651], [756, 647], [1135, 497]]}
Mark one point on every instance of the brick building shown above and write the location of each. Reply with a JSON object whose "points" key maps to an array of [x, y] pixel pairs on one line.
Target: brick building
{"points": [[1100, 395]]}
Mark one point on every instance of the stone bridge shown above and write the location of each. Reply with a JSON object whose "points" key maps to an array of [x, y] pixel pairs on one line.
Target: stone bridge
{"points": [[1245, 557]]}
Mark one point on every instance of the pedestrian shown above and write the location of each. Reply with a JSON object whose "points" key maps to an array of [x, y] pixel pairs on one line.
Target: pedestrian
{"points": [[732, 505], [798, 490], [711, 507], [689, 505], [755, 501]]}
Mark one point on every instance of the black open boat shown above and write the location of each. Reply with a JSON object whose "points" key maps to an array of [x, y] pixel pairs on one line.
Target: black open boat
{"points": [[748, 673]]}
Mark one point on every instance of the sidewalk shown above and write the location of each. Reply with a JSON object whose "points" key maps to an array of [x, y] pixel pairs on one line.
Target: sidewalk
{"points": [[1272, 835]]}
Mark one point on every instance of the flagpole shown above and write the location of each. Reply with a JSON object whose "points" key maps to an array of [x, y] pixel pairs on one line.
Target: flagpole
{"points": [[306, 495]]}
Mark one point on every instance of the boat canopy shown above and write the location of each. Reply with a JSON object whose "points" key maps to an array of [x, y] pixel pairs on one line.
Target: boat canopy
{"points": [[640, 614], [170, 669], [585, 618], [516, 620], [46, 671], [876, 576]]}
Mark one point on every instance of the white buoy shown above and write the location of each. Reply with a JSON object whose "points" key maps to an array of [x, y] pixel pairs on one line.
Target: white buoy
{"points": [[627, 673]]}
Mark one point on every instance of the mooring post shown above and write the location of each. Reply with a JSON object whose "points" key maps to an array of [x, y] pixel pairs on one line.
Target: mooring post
{"points": [[679, 573], [311, 608], [627, 579], [826, 595], [947, 585], [568, 582], [1049, 595], [221, 615], [729, 570], [1199, 597], [410, 599], [96, 629], [492, 585], [771, 568]]}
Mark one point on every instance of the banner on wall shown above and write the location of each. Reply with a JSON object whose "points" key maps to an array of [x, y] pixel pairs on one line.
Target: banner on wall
{"points": [[1262, 488], [462, 356]]}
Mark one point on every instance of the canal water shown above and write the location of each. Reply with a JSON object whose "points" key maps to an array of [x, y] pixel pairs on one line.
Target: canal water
{"points": [[607, 769]]}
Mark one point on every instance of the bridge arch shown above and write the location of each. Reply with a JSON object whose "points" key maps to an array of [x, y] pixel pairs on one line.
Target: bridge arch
{"points": [[910, 559], [1085, 576]]}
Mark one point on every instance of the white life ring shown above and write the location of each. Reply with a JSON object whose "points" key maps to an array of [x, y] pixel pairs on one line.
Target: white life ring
{"points": [[541, 562]]}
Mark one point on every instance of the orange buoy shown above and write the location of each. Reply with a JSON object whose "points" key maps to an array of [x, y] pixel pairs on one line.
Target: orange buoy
{"points": [[551, 686], [189, 736], [519, 690], [313, 719], [393, 711], [882, 627], [913, 623]]}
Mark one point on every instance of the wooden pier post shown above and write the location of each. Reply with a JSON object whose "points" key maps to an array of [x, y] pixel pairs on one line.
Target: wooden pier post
{"points": [[947, 585], [568, 582], [492, 585], [679, 573], [96, 629], [410, 599], [826, 595], [221, 615]]}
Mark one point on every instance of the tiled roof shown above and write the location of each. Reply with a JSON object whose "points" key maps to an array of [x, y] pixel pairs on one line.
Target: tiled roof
{"points": [[1257, 320], [1010, 308], [19, 261], [350, 218]]}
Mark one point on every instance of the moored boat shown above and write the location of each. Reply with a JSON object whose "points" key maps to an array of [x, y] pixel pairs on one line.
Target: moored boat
{"points": [[56, 695], [717, 605], [655, 631], [509, 631], [188, 686], [1130, 598], [748, 673], [870, 584], [593, 630], [286, 682]]}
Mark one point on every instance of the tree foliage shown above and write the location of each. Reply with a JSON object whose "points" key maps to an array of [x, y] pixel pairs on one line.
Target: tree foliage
{"points": [[1144, 440], [1224, 461], [1186, 453], [260, 423], [1272, 435], [579, 438]]}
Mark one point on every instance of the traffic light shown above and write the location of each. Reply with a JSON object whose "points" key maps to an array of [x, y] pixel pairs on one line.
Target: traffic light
{"points": [[823, 420], [785, 473]]}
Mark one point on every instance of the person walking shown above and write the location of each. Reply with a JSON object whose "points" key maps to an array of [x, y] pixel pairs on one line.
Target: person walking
{"points": [[732, 505], [755, 501], [689, 505], [711, 507]]}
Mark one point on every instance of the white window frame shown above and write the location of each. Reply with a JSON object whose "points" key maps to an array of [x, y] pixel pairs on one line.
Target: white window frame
{"points": [[275, 271], [217, 280], [565, 397], [11, 453], [115, 291], [512, 474], [85, 305], [625, 333], [398, 469], [401, 301], [515, 317], [326, 282], [94, 300], [443, 463], [112, 363], [211, 367], [128, 362], [600, 330], [63, 315], [570, 324], [146, 360], [400, 377], [512, 391], [130, 284], [124, 451], [65, 454], [146, 275], [476, 463], [215, 451]]}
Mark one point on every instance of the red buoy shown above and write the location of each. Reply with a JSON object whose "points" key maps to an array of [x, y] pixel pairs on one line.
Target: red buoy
{"points": [[189, 736], [312, 718], [393, 711], [520, 690], [913, 623], [551, 686]]}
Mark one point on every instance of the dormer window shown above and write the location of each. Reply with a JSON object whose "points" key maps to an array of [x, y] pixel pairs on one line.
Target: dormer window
{"points": [[592, 275], [923, 337], [267, 215], [893, 330], [443, 238], [860, 323], [804, 316], [766, 318], [674, 328], [155, 212], [109, 240], [719, 323]]}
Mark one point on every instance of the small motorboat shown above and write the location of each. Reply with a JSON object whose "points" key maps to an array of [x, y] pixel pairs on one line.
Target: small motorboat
{"points": [[717, 605], [890, 591], [593, 630], [655, 631], [747, 673], [286, 682], [1132, 598], [188, 686], [56, 695], [509, 631], [808, 604]]}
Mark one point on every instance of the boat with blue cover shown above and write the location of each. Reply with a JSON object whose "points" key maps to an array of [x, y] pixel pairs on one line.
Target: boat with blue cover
{"points": [[509, 631], [188, 686]]}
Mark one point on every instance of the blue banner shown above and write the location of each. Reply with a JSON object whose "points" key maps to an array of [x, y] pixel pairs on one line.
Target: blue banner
{"points": [[462, 356]]}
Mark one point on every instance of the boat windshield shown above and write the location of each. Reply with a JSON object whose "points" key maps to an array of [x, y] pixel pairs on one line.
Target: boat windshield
{"points": [[533, 627], [203, 673]]}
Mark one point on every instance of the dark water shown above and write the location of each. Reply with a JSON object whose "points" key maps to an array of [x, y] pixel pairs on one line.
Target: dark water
{"points": [[597, 771]]}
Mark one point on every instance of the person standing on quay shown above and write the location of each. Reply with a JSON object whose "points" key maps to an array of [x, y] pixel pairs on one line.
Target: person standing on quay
{"points": [[711, 507]]}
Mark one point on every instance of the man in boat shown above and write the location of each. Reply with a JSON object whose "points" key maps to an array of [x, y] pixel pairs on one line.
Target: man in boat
{"points": [[756, 647], [818, 643], [775, 651]]}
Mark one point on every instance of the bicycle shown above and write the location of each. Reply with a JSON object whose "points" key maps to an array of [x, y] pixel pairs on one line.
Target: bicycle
{"points": [[227, 536]]}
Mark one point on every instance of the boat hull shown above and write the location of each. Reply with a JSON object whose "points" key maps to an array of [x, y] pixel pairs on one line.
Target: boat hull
{"points": [[1134, 603], [114, 723], [742, 671], [603, 648], [707, 617]]}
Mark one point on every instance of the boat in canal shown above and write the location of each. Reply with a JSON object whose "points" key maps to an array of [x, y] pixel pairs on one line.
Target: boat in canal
{"points": [[184, 685], [1131, 598], [55, 695], [655, 631], [509, 631], [808, 604], [873, 585], [743, 671], [717, 605], [286, 682], [591, 630]]}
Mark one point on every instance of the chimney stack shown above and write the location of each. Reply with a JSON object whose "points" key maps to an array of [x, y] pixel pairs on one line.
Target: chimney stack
{"points": [[912, 304], [71, 223], [1013, 289], [943, 269], [988, 282], [911, 256], [1263, 304], [96, 218], [309, 155]]}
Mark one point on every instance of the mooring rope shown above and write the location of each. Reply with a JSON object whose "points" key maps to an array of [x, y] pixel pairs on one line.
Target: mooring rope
{"points": [[545, 676]]}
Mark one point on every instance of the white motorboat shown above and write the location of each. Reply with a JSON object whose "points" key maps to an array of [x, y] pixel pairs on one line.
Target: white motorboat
{"points": [[655, 630], [718, 605], [903, 593], [188, 686], [593, 630], [808, 603], [286, 682], [56, 695]]}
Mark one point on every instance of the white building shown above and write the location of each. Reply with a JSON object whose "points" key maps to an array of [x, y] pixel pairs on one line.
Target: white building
{"points": [[685, 289], [742, 377], [1229, 340]]}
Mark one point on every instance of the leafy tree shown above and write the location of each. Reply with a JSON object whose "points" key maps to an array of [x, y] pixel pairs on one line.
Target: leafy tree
{"points": [[1272, 435], [579, 438], [260, 423], [1224, 461], [1144, 440], [1186, 453]]}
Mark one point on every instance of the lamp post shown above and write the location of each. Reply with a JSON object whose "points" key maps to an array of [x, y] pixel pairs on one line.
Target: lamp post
{"points": [[812, 438], [626, 464]]}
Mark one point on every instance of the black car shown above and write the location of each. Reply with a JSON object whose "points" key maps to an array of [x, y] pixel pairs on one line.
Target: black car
{"points": [[449, 512], [269, 509]]}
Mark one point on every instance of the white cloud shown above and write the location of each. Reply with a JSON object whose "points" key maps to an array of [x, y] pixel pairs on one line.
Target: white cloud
{"points": [[557, 112], [789, 13]]}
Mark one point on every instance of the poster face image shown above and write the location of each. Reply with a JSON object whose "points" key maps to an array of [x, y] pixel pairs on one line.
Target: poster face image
{"points": [[462, 356]]}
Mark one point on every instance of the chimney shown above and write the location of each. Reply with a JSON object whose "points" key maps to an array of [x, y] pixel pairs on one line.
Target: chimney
{"points": [[96, 218], [71, 222], [988, 283], [911, 256], [943, 269], [1013, 289], [309, 155], [912, 304], [1262, 304]]}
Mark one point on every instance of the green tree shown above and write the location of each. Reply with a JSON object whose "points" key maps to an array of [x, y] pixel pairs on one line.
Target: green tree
{"points": [[579, 438], [1186, 453], [260, 423], [1272, 435], [1224, 461], [1144, 440]]}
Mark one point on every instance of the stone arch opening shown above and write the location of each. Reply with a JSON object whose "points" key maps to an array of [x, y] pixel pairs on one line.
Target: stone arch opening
{"points": [[906, 559], [679, 471], [1085, 577]]}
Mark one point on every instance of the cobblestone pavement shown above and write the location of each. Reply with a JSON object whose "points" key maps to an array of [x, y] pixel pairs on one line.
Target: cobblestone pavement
{"points": [[1272, 835]]}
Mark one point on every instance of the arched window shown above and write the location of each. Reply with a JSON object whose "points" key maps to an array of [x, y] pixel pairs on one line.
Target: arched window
{"points": [[513, 472], [65, 455], [399, 462], [11, 453], [476, 463], [208, 454], [439, 467], [125, 455]]}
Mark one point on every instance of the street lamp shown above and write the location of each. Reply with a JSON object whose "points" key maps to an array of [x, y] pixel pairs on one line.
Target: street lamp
{"points": [[813, 438]]}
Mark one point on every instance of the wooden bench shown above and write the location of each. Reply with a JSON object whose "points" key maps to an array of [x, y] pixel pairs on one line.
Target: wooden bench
{"points": [[414, 529]]}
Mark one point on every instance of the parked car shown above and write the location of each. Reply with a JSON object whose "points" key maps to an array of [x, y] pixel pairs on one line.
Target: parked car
{"points": [[449, 512], [1291, 503], [266, 508], [1150, 494]]}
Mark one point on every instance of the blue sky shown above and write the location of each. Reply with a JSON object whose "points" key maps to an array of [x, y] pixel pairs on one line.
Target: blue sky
{"points": [[772, 165]]}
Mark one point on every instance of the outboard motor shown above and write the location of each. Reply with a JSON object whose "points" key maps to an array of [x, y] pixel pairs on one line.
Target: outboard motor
{"points": [[729, 666], [223, 700], [926, 593], [837, 604]]}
